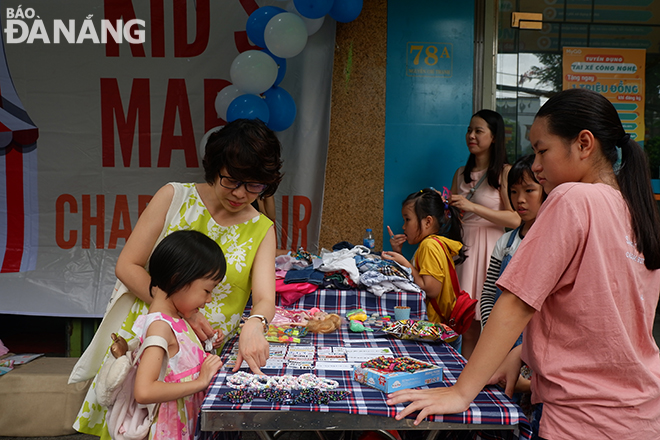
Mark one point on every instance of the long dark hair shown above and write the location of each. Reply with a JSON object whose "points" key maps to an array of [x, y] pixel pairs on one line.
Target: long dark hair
{"points": [[573, 110], [248, 150], [448, 218], [183, 257], [497, 149]]}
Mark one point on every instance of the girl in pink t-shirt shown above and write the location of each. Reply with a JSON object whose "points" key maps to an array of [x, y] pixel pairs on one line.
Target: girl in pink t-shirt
{"points": [[584, 284]]}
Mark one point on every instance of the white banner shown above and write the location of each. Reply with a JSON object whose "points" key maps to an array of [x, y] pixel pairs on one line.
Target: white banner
{"points": [[116, 122]]}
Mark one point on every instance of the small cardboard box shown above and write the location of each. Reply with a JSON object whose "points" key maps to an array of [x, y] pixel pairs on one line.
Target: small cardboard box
{"points": [[390, 382]]}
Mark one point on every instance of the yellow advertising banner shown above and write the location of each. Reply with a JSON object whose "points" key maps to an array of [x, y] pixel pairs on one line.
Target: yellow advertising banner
{"points": [[618, 74]]}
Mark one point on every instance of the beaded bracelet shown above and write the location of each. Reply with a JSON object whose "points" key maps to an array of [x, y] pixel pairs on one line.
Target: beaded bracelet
{"points": [[255, 382], [310, 395]]}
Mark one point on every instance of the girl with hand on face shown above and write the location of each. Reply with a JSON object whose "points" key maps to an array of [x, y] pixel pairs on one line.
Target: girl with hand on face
{"points": [[584, 285], [479, 190], [430, 222]]}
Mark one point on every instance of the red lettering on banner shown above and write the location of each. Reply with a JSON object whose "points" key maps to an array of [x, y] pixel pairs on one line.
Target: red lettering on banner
{"points": [[211, 89], [139, 114], [121, 220], [120, 215], [157, 28], [177, 102], [203, 19], [285, 222], [111, 107], [299, 227], [88, 221], [240, 37], [65, 199], [120, 10], [123, 10], [300, 224]]}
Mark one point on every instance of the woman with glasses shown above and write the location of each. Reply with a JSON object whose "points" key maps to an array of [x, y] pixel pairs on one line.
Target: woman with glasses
{"points": [[241, 164]]}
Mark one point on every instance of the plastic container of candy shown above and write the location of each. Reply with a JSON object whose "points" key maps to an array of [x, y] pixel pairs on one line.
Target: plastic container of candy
{"points": [[425, 331], [389, 374]]}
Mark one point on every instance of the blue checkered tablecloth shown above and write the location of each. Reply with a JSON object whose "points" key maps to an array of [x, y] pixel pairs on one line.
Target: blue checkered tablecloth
{"points": [[491, 407], [342, 301]]}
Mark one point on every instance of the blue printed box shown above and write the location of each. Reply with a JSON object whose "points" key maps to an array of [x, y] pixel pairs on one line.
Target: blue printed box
{"points": [[390, 382]]}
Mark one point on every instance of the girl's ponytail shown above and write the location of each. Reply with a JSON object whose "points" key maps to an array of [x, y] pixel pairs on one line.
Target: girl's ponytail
{"points": [[634, 179]]}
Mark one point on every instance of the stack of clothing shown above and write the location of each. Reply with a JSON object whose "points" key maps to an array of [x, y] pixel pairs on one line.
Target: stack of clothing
{"points": [[346, 267]]}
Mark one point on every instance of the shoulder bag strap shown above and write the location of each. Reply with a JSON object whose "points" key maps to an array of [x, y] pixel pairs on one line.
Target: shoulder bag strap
{"points": [[452, 270], [154, 341], [474, 188]]}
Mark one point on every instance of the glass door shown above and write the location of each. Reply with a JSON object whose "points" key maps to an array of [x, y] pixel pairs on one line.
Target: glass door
{"points": [[529, 62]]}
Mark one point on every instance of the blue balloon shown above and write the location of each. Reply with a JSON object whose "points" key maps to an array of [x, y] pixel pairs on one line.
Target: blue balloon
{"points": [[314, 8], [282, 108], [257, 21], [248, 107], [346, 10]]}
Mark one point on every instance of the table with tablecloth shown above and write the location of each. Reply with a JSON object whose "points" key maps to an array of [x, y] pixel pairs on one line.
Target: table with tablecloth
{"points": [[491, 415]]}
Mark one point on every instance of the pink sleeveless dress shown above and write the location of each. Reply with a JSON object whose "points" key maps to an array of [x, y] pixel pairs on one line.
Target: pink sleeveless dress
{"points": [[177, 419], [479, 236]]}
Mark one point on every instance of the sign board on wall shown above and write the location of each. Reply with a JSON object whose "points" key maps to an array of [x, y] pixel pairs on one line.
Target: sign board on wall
{"points": [[618, 74], [116, 121], [611, 23]]}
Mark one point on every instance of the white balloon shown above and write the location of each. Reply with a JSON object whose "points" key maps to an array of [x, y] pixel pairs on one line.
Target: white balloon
{"points": [[286, 35], [224, 98], [205, 139], [253, 71], [312, 24]]}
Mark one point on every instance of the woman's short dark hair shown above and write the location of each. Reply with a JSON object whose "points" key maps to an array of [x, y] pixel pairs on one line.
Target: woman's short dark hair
{"points": [[497, 149], [248, 151], [183, 257], [568, 113], [521, 170]]}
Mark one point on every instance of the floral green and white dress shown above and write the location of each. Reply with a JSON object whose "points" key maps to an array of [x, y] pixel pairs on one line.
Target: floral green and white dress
{"points": [[239, 244]]}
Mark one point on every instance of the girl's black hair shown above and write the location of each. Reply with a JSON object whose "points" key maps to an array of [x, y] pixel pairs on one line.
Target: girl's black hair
{"points": [[568, 113], [497, 149], [183, 257], [521, 170], [428, 202], [248, 151]]}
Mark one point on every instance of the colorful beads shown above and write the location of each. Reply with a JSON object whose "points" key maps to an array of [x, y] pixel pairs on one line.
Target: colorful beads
{"points": [[391, 365], [255, 382], [288, 397]]}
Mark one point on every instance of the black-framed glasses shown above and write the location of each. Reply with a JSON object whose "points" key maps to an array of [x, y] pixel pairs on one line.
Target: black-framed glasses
{"points": [[251, 187]]}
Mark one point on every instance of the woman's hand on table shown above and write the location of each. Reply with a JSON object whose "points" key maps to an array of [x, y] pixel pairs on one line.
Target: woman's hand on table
{"points": [[396, 241], [395, 256], [252, 346], [429, 402]]}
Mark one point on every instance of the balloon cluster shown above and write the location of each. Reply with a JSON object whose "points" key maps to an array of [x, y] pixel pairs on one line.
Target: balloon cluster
{"points": [[256, 74]]}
